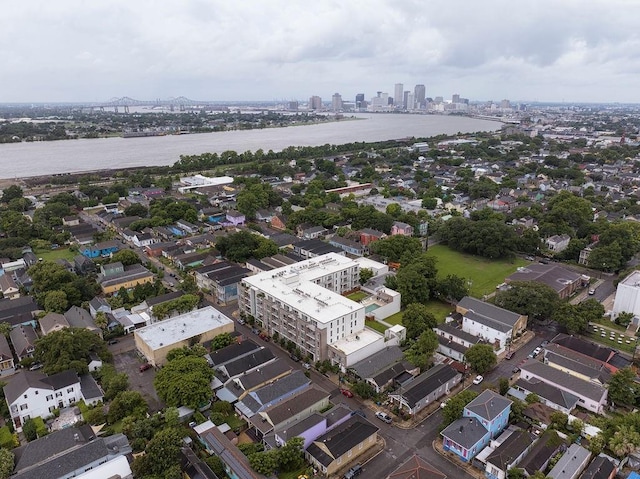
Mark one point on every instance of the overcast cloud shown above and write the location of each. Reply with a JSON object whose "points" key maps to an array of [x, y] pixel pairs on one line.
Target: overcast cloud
{"points": [[546, 50]]}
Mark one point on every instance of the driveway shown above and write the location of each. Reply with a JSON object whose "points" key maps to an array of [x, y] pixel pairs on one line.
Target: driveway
{"points": [[129, 362]]}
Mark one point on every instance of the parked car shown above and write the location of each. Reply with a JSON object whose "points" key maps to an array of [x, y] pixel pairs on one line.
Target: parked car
{"points": [[112, 341], [294, 357], [383, 416], [516, 370], [444, 403], [144, 367], [264, 337], [353, 472], [307, 366], [509, 355], [537, 351], [241, 321], [478, 379], [346, 392], [592, 291], [544, 343]]}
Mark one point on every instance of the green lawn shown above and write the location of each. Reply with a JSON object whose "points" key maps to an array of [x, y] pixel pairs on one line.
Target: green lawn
{"points": [[439, 310], [484, 274], [54, 254], [597, 338], [381, 328], [357, 296], [394, 318]]}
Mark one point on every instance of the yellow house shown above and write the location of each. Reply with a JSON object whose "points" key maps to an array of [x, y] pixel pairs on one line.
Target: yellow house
{"points": [[195, 327], [340, 447], [114, 276]]}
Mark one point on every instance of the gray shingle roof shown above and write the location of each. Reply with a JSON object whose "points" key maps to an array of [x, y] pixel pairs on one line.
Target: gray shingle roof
{"points": [[264, 374], [250, 361], [559, 378], [548, 392], [428, 382], [489, 310], [273, 392], [377, 362], [233, 351], [575, 457], [510, 449], [341, 439], [488, 405], [465, 431], [600, 468], [294, 405]]}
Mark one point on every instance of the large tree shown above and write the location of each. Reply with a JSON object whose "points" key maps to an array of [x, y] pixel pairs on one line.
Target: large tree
{"points": [[185, 381], [416, 319], [397, 248], [162, 454], [481, 357], [455, 405], [623, 389], [69, 348], [416, 280], [536, 300], [127, 403], [421, 351]]}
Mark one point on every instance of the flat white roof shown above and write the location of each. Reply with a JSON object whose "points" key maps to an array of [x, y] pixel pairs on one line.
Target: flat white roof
{"points": [[293, 285], [201, 180], [357, 341], [184, 326], [307, 270], [370, 264], [632, 280], [317, 302]]}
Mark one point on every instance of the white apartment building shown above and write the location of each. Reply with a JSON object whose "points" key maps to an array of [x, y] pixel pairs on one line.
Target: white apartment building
{"points": [[628, 295], [303, 303]]}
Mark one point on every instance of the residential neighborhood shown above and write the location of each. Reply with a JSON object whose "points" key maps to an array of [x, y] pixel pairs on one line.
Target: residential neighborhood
{"points": [[461, 307]]}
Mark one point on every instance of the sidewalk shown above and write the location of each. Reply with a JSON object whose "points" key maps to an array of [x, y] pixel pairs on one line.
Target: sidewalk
{"points": [[362, 459], [453, 459]]}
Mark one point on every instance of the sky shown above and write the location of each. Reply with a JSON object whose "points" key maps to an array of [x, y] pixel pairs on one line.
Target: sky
{"points": [[540, 50]]}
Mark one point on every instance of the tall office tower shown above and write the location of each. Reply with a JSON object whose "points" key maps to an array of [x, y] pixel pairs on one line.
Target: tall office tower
{"points": [[419, 94], [398, 95], [336, 102], [293, 105], [360, 100], [505, 104], [405, 100], [315, 103], [455, 98], [410, 102]]}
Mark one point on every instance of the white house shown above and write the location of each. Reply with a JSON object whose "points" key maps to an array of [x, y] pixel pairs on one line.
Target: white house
{"points": [[492, 324], [32, 394], [628, 295], [558, 243]]}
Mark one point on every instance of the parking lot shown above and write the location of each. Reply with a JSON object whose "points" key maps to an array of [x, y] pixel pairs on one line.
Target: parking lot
{"points": [[129, 362]]}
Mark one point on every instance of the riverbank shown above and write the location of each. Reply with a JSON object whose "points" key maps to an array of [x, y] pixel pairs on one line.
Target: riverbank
{"points": [[25, 160]]}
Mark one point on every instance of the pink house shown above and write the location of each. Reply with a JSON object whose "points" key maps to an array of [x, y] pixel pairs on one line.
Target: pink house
{"points": [[400, 228]]}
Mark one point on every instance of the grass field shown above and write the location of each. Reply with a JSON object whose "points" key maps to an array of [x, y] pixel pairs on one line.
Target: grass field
{"points": [[484, 274], [439, 310], [54, 254], [394, 318], [381, 328], [357, 296]]}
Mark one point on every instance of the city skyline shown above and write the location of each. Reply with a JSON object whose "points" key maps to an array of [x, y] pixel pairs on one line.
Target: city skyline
{"points": [[550, 51]]}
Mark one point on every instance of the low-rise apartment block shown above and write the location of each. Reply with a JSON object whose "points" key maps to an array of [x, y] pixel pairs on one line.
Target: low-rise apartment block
{"points": [[303, 303]]}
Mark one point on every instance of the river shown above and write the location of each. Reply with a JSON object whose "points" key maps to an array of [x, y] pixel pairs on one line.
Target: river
{"points": [[21, 160]]}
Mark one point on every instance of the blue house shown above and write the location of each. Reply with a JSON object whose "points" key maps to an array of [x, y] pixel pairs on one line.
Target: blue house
{"points": [[98, 250], [483, 419]]}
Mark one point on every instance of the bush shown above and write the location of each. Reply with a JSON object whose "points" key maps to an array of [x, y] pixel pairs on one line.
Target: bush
{"points": [[8, 439]]}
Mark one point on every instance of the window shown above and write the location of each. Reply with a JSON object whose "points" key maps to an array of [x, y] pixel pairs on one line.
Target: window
{"points": [[36, 393], [69, 390], [24, 406], [50, 397], [58, 394], [25, 396]]}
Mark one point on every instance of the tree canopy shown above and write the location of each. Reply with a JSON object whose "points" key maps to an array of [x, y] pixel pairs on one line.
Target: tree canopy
{"points": [[69, 348], [481, 357], [421, 351], [536, 300], [397, 247], [455, 405], [185, 381], [416, 280], [416, 319], [241, 246]]}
